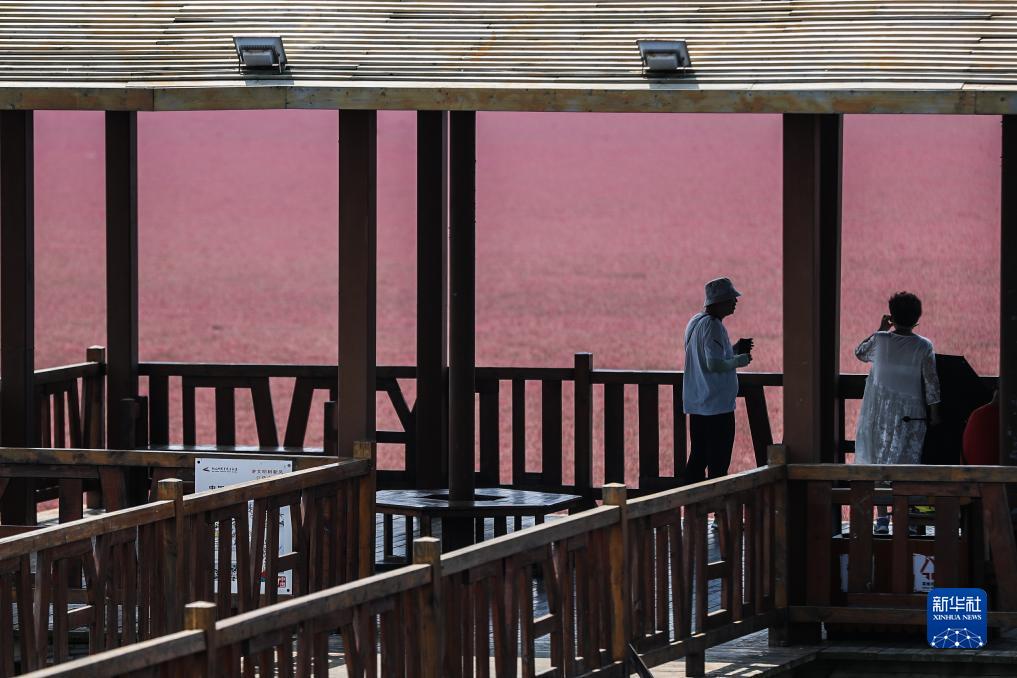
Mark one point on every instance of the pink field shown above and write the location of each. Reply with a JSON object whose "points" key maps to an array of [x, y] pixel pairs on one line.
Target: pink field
{"points": [[595, 233]]}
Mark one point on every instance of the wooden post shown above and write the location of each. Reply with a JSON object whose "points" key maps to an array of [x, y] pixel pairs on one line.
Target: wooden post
{"points": [[777, 456], [584, 425], [812, 179], [17, 304], [1008, 296], [200, 616], [357, 277], [171, 544], [365, 509], [121, 269], [462, 350], [95, 401], [427, 551], [812, 159], [431, 410], [616, 494]]}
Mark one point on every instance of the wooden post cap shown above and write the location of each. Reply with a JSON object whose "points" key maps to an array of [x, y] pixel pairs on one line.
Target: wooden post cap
{"points": [[363, 449], [426, 551], [199, 616], [169, 489], [776, 455], [615, 494], [95, 354]]}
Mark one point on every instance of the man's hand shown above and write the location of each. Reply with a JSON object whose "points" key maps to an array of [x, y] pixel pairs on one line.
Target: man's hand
{"points": [[743, 346]]}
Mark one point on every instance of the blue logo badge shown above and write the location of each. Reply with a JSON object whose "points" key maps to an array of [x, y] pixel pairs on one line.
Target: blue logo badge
{"points": [[957, 618]]}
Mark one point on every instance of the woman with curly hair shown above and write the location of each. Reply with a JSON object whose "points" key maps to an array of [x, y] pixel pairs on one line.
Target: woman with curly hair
{"points": [[901, 391]]}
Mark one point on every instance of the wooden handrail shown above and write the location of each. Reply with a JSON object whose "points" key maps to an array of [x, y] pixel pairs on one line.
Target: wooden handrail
{"points": [[902, 473], [525, 373], [84, 528], [707, 490], [321, 604], [151, 458], [93, 526], [136, 657], [49, 375], [289, 482], [233, 370], [509, 545]]}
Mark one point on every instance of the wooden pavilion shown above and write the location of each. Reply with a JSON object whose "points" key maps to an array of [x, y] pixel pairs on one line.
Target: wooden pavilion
{"points": [[812, 61]]}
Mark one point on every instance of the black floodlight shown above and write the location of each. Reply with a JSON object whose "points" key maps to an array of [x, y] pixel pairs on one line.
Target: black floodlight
{"points": [[664, 56], [257, 53]]}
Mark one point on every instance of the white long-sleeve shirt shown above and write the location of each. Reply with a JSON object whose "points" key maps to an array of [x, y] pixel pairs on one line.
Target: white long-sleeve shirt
{"points": [[710, 385]]}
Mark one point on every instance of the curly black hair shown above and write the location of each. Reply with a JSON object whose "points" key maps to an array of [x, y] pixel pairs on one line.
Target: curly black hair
{"points": [[905, 308]]}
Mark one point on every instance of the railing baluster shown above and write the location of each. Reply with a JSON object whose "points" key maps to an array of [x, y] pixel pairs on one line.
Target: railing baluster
{"points": [[583, 423], [759, 421], [74, 416], [490, 448], [947, 547], [614, 433], [551, 431], [649, 433], [225, 417], [518, 431], [300, 413], [187, 402], [680, 431], [818, 542], [264, 414], [902, 565], [860, 556], [158, 400]]}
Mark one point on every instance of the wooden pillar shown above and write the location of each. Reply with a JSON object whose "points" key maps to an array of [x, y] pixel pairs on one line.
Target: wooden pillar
{"points": [[812, 205], [431, 410], [812, 189], [831, 139], [17, 303], [121, 273], [462, 343], [1008, 296], [357, 277]]}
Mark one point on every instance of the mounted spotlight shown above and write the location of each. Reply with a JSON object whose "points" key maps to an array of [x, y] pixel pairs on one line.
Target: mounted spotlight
{"points": [[259, 53], [662, 57]]}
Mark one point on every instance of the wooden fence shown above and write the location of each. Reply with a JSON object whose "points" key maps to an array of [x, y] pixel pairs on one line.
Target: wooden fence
{"points": [[625, 584], [124, 477], [854, 576], [599, 399], [627, 577], [592, 391], [154, 423], [125, 576], [70, 411]]}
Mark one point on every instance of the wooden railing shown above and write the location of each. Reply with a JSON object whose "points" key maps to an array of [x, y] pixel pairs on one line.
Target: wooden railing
{"points": [[855, 576], [126, 575], [154, 423], [69, 406], [114, 472], [628, 583], [592, 391], [70, 402], [670, 570], [591, 403], [627, 579]]}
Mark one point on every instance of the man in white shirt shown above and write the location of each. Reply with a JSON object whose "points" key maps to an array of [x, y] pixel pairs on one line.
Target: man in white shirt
{"points": [[710, 385]]}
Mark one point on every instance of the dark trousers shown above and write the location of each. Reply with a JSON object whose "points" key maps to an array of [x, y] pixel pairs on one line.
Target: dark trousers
{"points": [[712, 441]]}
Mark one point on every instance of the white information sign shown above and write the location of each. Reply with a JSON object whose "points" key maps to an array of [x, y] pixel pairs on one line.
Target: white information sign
{"points": [[211, 473]]}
